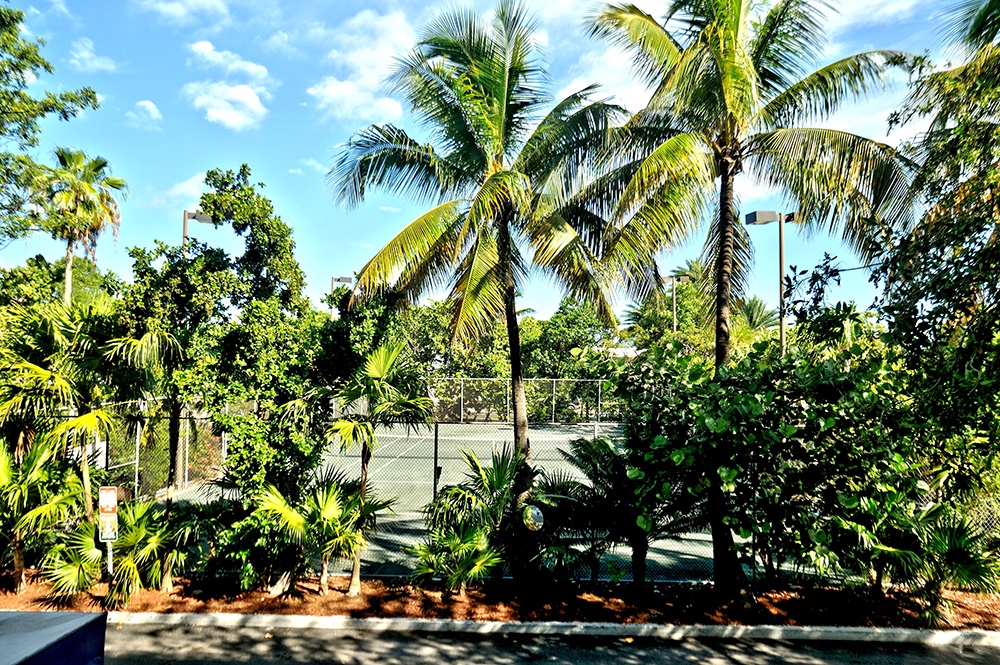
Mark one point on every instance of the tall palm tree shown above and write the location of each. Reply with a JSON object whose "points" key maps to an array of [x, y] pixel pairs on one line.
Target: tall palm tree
{"points": [[384, 392], [734, 90], [82, 196], [504, 178]]}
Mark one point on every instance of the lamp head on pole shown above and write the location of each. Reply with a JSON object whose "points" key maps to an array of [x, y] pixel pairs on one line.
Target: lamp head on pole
{"points": [[199, 216], [758, 217]]}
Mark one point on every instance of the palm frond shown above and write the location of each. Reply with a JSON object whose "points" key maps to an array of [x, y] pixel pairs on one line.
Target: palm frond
{"points": [[841, 181]]}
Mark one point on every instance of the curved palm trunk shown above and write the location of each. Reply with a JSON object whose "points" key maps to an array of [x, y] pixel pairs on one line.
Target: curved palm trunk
{"points": [[20, 581], [354, 589], [324, 577], [68, 275], [727, 571]]}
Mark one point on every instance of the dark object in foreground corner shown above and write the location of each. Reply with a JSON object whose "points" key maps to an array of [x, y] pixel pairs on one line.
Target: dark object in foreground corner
{"points": [[52, 638]]}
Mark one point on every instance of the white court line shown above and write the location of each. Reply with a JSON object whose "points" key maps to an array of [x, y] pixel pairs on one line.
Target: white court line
{"points": [[381, 468]]}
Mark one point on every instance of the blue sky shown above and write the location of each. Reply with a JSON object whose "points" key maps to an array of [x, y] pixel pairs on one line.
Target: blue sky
{"points": [[190, 85]]}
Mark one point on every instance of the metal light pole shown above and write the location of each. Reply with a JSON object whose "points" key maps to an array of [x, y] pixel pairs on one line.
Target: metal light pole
{"points": [[197, 216], [334, 281], [766, 217], [673, 294]]}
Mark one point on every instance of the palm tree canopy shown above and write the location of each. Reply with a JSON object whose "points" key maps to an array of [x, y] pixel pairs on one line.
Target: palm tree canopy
{"points": [[503, 175], [735, 85], [82, 193]]}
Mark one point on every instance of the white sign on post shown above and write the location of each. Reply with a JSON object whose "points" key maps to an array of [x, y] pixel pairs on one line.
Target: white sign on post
{"points": [[107, 520]]}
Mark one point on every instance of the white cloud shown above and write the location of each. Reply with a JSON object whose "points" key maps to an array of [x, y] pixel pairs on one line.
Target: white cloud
{"points": [[145, 116], [236, 107], [612, 69], [228, 62], [186, 11], [850, 13], [84, 59], [295, 171], [183, 195], [314, 165], [392, 209], [367, 46], [238, 102], [282, 42], [59, 7], [349, 100]]}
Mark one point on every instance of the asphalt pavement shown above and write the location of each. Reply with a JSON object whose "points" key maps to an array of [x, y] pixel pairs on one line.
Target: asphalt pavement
{"points": [[205, 645]]}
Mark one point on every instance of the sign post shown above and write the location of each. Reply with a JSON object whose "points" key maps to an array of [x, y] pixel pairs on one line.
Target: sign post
{"points": [[107, 520]]}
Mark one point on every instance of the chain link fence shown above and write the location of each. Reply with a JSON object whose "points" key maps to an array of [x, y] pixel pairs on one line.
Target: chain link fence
{"points": [[136, 453], [412, 467], [472, 400]]}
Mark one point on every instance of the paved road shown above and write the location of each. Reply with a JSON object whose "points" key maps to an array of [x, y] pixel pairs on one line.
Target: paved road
{"points": [[152, 645]]}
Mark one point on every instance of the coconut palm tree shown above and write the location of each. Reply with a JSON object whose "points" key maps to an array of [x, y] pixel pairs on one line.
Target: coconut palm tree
{"points": [[504, 178], [81, 193], [385, 392], [734, 90]]}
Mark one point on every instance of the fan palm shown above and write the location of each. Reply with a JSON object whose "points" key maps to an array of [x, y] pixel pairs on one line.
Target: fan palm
{"points": [[65, 370], [757, 315], [385, 392], [81, 193], [733, 91], [505, 179], [30, 502], [328, 519]]}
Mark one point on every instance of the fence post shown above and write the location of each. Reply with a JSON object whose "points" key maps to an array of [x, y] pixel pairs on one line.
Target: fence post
{"points": [[553, 401], [138, 442], [461, 400], [510, 389], [600, 384], [187, 448], [437, 468]]}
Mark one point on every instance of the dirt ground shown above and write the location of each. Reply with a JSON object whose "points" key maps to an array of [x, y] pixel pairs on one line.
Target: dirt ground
{"points": [[668, 604]]}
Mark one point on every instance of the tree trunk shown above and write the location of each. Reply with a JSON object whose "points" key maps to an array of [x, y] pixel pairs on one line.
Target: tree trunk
{"points": [[324, 578], [640, 550], [175, 474], [20, 580], [727, 571], [521, 555], [724, 262], [167, 576], [354, 589], [68, 275], [283, 585]]}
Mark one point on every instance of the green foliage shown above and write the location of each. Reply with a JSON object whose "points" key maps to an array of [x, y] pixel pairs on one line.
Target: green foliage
{"points": [[575, 325], [458, 555], [38, 281], [21, 115], [329, 521], [630, 497], [265, 356], [468, 523], [35, 496], [148, 548]]}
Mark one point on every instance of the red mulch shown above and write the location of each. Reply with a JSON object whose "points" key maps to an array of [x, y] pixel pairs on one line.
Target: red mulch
{"points": [[610, 603]]}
